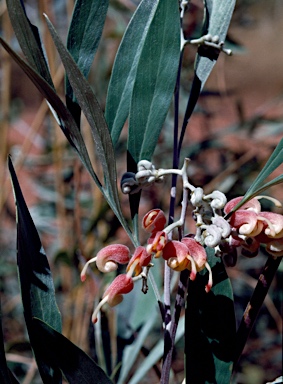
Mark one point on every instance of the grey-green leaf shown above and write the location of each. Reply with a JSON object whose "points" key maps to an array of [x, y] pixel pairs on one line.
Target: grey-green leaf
{"points": [[28, 38], [37, 289], [77, 366], [218, 15], [155, 80], [84, 34], [274, 161], [99, 129], [124, 71], [217, 18], [66, 120]]}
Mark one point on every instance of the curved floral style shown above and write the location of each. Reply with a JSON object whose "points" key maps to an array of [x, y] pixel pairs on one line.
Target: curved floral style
{"points": [[113, 295], [108, 258]]}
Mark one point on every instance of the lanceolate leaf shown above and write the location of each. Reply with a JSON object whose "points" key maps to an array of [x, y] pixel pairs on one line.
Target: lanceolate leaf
{"points": [[147, 34], [218, 15], [38, 295], [125, 67], [274, 161], [75, 364], [99, 129], [155, 80], [210, 327], [66, 121], [84, 34], [28, 38], [73, 134]]}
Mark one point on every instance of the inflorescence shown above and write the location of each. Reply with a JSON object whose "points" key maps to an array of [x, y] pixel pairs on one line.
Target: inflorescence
{"points": [[217, 226]]}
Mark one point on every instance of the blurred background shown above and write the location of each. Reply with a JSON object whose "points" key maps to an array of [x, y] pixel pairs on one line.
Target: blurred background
{"points": [[236, 125]]}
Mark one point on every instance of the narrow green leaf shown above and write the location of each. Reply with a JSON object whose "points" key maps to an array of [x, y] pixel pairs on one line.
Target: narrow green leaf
{"points": [[218, 15], [155, 80], [210, 327], [217, 18], [260, 190], [91, 109], [28, 38], [84, 34], [75, 364], [64, 117], [6, 376], [37, 289], [99, 129], [274, 161], [124, 71]]}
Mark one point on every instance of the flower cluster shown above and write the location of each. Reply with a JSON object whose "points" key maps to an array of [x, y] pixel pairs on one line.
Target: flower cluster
{"points": [[247, 227], [180, 255], [252, 227], [107, 260]]}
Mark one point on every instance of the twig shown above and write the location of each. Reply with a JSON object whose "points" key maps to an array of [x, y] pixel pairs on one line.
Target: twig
{"points": [[253, 307]]}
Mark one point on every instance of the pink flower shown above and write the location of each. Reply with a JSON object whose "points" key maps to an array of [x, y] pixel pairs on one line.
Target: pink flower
{"points": [[273, 224], [247, 220], [108, 258], [178, 258], [156, 243], [187, 254], [251, 205], [113, 295], [154, 221], [140, 259], [198, 253]]}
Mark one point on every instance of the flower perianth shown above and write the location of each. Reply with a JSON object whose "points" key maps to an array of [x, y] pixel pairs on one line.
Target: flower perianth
{"points": [[154, 221], [140, 259], [176, 255], [274, 224], [247, 222], [156, 243], [108, 258], [197, 252], [113, 295], [251, 205]]}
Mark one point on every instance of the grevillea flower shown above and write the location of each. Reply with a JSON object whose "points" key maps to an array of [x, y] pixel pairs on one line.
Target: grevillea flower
{"points": [[140, 259], [254, 227], [108, 258], [156, 243], [198, 253], [273, 224], [247, 222], [154, 221], [251, 205], [113, 295], [187, 254], [178, 258]]}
